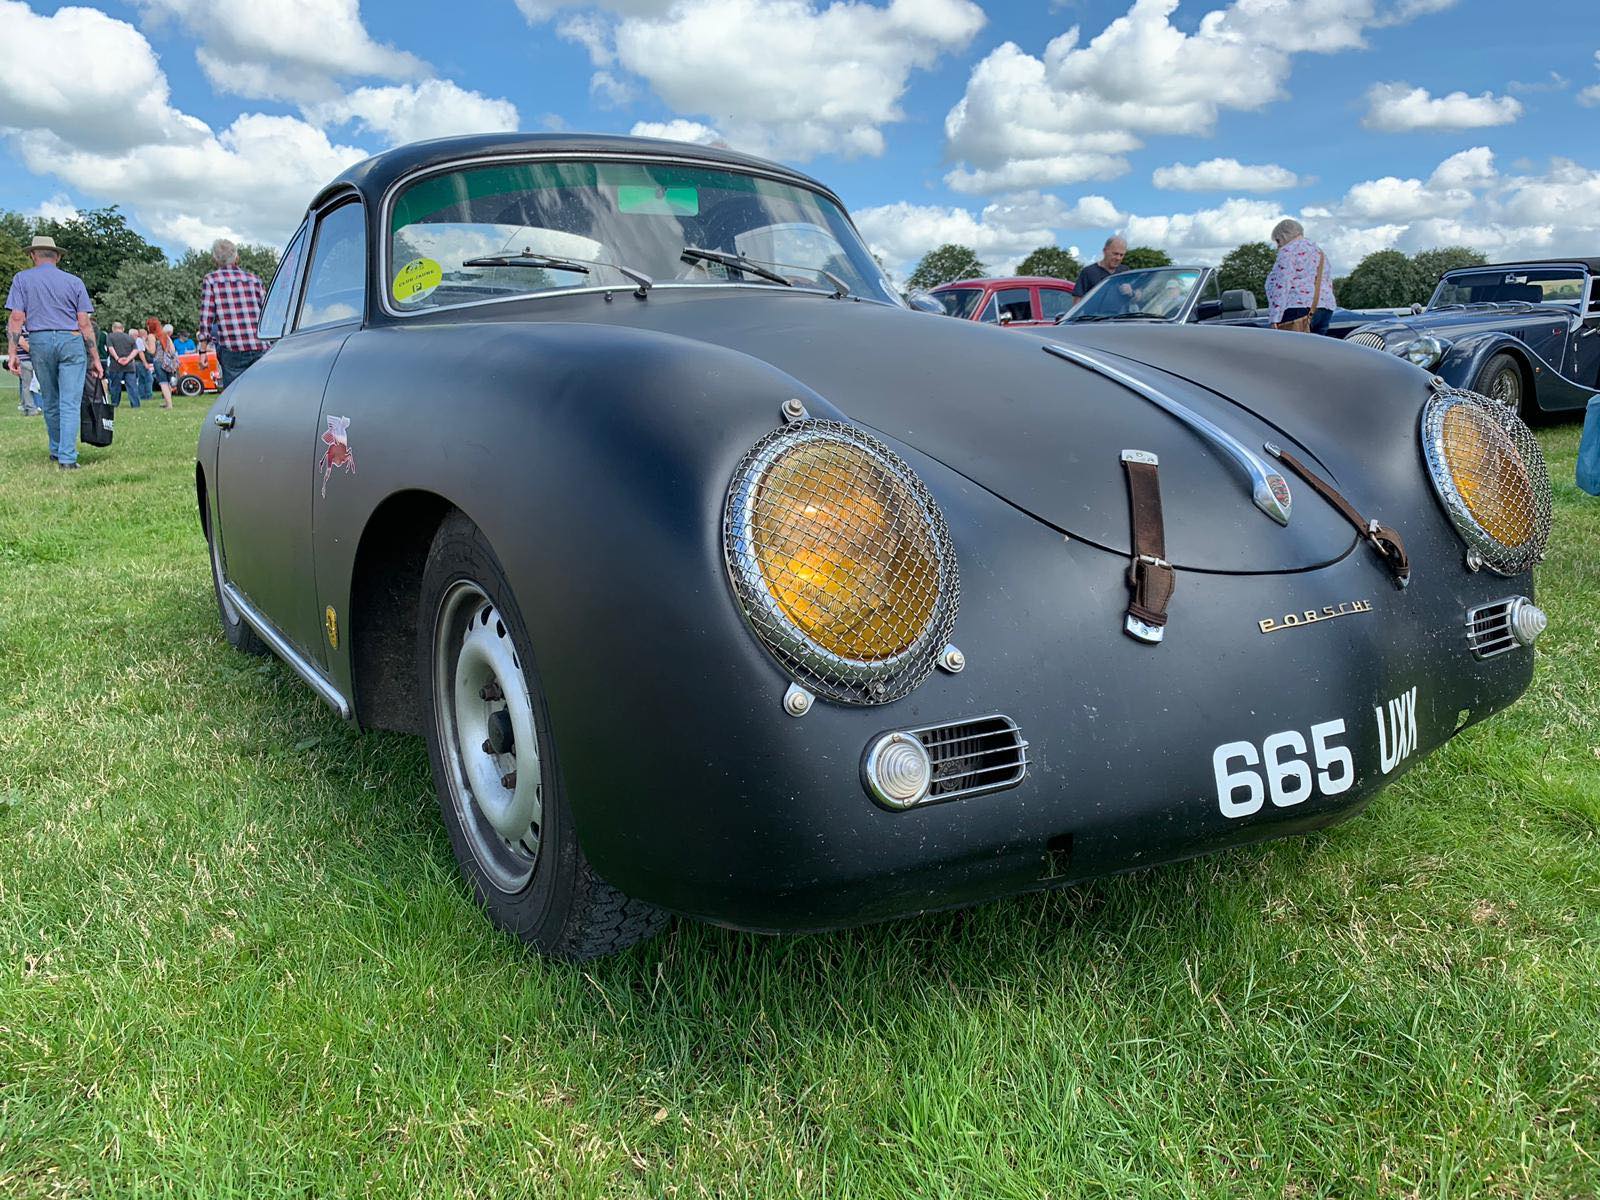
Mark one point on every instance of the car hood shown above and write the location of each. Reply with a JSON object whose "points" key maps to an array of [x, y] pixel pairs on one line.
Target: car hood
{"points": [[1042, 433], [1459, 323]]}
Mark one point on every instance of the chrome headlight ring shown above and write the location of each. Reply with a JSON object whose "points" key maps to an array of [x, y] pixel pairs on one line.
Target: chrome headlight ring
{"points": [[1512, 440], [822, 670], [1424, 351]]}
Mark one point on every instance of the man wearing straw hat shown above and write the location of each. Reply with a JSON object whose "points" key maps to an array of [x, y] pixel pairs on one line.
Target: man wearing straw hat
{"points": [[52, 308]]}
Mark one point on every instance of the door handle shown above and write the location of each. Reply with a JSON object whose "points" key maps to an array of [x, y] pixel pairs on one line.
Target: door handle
{"points": [[223, 420]]}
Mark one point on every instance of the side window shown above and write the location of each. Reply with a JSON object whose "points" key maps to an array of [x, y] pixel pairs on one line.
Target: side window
{"points": [[336, 282], [991, 312], [1053, 302], [1016, 304], [275, 313]]}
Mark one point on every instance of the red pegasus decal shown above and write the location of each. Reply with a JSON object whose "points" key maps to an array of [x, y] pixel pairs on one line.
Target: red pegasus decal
{"points": [[338, 453]]}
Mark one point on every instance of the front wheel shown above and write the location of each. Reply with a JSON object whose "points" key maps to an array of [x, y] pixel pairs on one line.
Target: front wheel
{"points": [[190, 385], [494, 763], [1501, 381]]}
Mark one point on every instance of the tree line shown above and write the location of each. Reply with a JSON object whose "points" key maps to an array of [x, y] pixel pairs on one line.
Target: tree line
{"points": [[1383, 279], [128, 278]]}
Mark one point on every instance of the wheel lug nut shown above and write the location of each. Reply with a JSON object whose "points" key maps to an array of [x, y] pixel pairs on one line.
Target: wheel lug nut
{"points": [[509, 780], [491, 691]]}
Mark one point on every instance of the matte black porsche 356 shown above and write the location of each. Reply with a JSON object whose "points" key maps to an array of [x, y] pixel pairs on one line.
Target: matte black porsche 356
{"points": [[721, 583]]}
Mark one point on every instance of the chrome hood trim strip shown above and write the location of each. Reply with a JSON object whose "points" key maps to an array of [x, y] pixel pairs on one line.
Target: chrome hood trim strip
{"points": [[1269, 491]]}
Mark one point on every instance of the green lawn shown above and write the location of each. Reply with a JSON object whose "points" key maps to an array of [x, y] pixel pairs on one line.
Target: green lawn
{"points": [[235, 959]]}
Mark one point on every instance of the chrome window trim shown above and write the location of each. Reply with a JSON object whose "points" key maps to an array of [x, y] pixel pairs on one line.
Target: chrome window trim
{"points": [[392, 192], [284, 649]]}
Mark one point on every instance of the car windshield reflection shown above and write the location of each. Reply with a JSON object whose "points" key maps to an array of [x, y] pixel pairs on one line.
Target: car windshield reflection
{"points": [[1158, 294], [451, 235]]}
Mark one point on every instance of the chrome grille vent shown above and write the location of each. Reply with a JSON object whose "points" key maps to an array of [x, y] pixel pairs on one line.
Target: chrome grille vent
{"points": [[986, 754], [1503, 625], [1372, 340]]}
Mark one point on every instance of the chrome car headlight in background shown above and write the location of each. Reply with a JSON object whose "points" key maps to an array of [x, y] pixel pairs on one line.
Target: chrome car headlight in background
{"points": [[1489, 472], [841, 561], [1423, 351]]}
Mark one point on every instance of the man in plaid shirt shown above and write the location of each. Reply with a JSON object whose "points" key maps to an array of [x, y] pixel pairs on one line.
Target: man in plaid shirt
{"points": [[231, 299]]}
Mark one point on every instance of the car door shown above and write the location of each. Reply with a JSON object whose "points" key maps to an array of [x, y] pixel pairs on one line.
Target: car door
{"points": [[269, 454]]}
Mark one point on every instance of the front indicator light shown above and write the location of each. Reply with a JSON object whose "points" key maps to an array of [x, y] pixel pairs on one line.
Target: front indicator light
{"points": [[898, 770], [841, 561], [1490, 475]]}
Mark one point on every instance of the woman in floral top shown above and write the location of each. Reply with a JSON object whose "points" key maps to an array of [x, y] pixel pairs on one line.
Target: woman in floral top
{"points": [[1294, 278]]}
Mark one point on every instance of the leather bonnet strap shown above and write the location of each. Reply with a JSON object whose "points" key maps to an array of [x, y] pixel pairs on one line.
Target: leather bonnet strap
{"points": [[1150, 575], [1385, 539]]}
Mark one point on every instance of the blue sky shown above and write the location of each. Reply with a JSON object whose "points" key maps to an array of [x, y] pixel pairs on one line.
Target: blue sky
{"points": [[1378, 122]]}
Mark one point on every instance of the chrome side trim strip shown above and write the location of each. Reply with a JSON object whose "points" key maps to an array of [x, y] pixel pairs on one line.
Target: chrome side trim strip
{"points": [[281, 647], [1269, 491]]}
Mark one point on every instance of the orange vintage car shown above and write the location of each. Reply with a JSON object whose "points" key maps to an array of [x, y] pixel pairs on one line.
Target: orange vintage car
{"points": [[198, 373]]}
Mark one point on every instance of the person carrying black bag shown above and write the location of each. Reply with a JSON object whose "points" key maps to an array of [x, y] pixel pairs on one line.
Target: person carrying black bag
{"points": [[95, 427]]}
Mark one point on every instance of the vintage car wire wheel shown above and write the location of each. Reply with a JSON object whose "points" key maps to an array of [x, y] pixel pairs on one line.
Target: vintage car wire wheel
{"points": [[487, 736], [1501, 381], [1489, 473], [841, 561]]}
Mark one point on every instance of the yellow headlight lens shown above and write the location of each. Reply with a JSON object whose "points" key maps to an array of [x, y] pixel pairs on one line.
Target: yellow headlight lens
{"points": [[1489, 475], [845, 550]]}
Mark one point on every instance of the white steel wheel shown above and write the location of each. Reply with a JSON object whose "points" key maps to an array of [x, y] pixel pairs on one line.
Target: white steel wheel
{"points": [[487, 736]]}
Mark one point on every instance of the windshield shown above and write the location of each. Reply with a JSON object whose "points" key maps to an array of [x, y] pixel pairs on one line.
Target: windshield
{"points": [[1160, 293], [960, 302], [637, 215], [1500, 285]]}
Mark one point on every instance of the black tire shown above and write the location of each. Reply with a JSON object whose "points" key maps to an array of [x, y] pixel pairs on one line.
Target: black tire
{"points": [[562, 908], [238, 635], [1501, 380], [190, 385]]}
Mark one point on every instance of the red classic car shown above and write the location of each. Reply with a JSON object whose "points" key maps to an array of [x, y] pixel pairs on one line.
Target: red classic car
{"points": [[1010, 300]]}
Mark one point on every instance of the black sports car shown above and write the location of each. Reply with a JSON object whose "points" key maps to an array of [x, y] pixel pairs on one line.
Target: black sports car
{"points": [[1526, 334], [721, 583]]}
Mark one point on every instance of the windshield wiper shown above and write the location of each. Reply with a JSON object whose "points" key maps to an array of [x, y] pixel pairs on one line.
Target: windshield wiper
{"points": [[578, 266], [737, 261]]}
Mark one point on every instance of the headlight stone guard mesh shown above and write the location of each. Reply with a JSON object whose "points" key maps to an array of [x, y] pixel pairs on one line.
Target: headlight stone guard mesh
{"points": [[909, 546], [1502, 444]]}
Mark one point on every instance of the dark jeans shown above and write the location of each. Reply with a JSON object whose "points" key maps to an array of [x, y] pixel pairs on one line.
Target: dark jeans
{"points": [[1319, 319], [235, 363], [118, 378]]}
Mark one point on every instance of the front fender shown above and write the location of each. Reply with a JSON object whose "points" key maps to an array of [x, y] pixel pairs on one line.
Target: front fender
{"points": [[1548, 388]]}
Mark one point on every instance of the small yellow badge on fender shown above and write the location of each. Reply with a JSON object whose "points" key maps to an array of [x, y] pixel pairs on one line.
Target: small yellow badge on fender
{"points": [[330, 622]]}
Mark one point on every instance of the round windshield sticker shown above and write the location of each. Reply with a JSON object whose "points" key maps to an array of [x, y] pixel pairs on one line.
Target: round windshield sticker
{"points": [[416, 279]]}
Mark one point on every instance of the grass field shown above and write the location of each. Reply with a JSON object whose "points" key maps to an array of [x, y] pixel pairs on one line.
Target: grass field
{"points": [[235, 959]]}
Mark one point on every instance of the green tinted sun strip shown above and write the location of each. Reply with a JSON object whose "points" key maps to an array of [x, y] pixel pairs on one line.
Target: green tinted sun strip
{"points": [[645, 198], [670, 189]]}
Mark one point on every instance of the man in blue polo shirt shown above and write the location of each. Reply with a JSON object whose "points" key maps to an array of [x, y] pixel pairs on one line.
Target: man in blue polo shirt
{"points": [[52, 307]]}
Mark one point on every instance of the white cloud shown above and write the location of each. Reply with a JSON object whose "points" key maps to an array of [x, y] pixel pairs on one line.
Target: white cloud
{"points": [[1224, 175], [293, 50], [787, 78], [1002, 234], [58, 208], [1206, 235], [1401, 108], [679, 130], [1590, 96], [181, 179], [1073, 112], [97, 109], [411, 112]]}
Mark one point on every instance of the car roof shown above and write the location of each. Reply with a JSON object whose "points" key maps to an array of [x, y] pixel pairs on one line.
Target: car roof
{"points": [[373, 176], [1592, 263]]}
